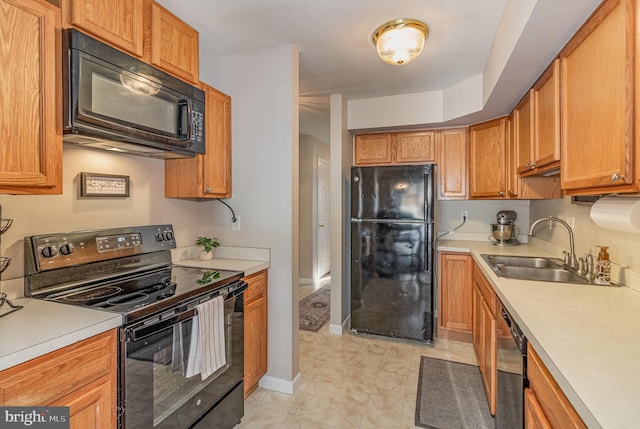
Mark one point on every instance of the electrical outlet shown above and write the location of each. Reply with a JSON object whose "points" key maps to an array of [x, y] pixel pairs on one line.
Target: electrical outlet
{"points": [[235, 226], [464, 214]]}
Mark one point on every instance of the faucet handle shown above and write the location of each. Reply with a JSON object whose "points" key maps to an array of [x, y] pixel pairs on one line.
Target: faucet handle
{"points": [[567, 258], [591, 273], [581, 266]]}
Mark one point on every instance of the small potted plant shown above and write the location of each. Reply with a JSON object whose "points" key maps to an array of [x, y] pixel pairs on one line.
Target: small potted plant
{"points": [[207, 244]]}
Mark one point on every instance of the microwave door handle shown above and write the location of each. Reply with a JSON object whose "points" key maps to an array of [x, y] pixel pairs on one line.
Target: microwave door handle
{"points": [[184, 107]]}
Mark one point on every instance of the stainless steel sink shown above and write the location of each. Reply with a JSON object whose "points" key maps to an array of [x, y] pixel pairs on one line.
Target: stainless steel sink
{"points": [[532, 268], [541, 274], [523, 261]]}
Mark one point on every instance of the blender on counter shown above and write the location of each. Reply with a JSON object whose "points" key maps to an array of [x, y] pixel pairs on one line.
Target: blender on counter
{"points": [[504, 232]]}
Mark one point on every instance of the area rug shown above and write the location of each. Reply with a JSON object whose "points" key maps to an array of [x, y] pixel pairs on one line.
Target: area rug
{"points": [[314, 309], [451, 396]]}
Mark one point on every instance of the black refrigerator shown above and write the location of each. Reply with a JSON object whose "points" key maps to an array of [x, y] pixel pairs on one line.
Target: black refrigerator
{"points": [[392, 251]]}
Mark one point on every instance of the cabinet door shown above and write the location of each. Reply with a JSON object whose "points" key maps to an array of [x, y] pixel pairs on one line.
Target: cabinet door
{"points": [[205, 175], [174, 45], [455, 291], [512, 178], [255, 331], [373, 149], [116, 22], [415, 147], [92, 407], [452, 149], [533, 416], [476, 323], [30, 133], [217, 159], [488, 356], [597, 100], [523, 124], [546, 117], [487, 159]]}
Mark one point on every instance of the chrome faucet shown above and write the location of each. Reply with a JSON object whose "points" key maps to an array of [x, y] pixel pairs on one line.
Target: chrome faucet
{"points": [[572, 262]]}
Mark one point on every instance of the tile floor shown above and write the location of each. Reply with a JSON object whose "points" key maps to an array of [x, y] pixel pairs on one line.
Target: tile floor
{"points": [[350, 381]]}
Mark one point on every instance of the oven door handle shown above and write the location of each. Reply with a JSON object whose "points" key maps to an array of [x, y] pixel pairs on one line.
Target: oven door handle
{"points": [[148, 330], [144, 331]]}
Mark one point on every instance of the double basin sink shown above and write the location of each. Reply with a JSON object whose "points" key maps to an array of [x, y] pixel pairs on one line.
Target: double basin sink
{"points": [[533, 268]]}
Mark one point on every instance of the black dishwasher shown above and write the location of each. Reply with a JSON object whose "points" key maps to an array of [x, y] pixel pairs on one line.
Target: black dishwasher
{"points": [[512, 376]]}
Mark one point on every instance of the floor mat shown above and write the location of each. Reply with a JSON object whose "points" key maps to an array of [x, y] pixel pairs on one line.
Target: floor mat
{"points": [[314, 309], [451, 396]]}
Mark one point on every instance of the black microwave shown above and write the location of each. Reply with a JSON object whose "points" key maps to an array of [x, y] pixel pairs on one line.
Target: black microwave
{"points": [[112, 101]]}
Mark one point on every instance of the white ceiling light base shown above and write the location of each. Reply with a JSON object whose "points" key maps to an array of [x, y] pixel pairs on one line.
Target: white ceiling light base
{"points": [[400, 41]]}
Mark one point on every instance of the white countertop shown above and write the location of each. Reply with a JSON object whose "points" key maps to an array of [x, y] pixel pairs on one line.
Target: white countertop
{"points": [[42, 327], [587, 336], [247, 259]]}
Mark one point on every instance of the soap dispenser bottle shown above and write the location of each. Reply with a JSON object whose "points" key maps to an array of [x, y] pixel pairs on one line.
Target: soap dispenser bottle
{"points": [[603, 267]]}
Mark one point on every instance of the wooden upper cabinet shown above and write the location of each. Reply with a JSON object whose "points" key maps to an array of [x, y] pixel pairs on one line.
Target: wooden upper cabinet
{"points": [[373, 149], [597, 103], [523, 132], [30, 64], [416, 147], [206, 175], [117, 22], [512, 178], [451, 157], [487, 159], [174, 45], [546, 117]]}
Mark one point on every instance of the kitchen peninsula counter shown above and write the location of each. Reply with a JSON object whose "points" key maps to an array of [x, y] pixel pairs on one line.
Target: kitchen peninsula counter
{"points": [[42, 327], [586, 335]]}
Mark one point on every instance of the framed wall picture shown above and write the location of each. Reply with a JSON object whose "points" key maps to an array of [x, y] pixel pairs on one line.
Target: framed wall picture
{"points": [[103, 185]]}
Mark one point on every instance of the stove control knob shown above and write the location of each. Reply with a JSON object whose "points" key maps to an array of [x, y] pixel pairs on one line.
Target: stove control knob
{"points": [[66, 249], [159, 237], [168, 235], [49, 251]]}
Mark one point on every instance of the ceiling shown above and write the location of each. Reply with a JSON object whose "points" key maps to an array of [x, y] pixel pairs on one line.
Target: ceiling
{"points": [[338, 57]]}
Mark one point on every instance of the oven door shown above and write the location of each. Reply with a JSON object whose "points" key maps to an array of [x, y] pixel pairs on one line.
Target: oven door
{"points": [[154, 389]]}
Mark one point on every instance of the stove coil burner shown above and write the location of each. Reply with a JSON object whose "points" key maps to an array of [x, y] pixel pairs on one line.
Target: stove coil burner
{"points": [[130, 298], [93, 295]]}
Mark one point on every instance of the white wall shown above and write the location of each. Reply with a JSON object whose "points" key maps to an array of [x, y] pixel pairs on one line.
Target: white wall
{"points": [[263, 86], [624, 247], [39, 214], [341, 161], [311, 149]]}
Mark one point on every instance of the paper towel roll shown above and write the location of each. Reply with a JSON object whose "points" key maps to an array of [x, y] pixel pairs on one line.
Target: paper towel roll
{"points": [[616, 212]]}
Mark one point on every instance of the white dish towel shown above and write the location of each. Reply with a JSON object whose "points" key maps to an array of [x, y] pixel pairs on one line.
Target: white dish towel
{"points": [[207, 351]]}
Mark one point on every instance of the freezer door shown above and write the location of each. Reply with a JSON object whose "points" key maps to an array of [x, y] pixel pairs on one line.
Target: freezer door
{"points": [[392, 192], [391, 279]]}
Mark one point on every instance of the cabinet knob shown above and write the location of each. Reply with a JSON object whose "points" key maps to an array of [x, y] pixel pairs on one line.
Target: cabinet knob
{"points": [[528, 164], [208, 189], [532, 165], [501, 193], [615, 177], [512, 193]]}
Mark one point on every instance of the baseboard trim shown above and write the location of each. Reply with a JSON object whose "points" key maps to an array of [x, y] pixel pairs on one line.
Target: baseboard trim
{"points": [[281, 385], [340, 329]]}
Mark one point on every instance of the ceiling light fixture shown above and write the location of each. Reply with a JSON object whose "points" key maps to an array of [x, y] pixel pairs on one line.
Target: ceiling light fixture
{"points": [[400, 41]]}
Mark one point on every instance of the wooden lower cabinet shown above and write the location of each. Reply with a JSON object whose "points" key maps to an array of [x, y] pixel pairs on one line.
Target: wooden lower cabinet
{"points": [[454, 295], [484, 334], [533, 416], [255, 330], [551, 405], [82, 376]]}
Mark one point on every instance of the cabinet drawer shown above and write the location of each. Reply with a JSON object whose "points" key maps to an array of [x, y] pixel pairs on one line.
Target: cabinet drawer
{"points": [[48, 378], [485, 288], [257, 285], [553, 402]]}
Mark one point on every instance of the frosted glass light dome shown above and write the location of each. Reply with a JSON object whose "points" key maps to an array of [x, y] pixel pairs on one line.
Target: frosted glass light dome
{"points": [[400, 41]]}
